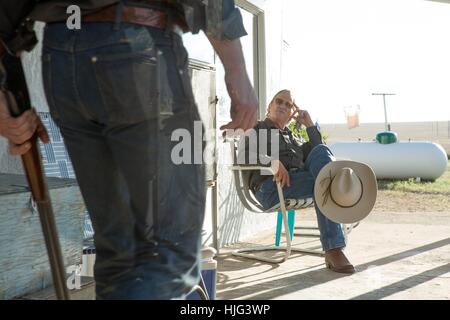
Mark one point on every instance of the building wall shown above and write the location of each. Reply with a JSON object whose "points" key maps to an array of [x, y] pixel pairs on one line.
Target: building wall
{"points": [[24, 266]]}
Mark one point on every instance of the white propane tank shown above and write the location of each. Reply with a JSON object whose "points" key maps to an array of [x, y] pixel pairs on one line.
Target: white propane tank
{"points": [[399, 160]]}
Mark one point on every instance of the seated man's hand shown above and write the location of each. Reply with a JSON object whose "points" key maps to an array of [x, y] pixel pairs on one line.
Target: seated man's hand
{"points": [[303, 117], [281, 175], [19, 130]]}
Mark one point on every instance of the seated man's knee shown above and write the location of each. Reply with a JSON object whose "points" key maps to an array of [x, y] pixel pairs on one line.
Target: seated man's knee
{"points": [[322, 149]]}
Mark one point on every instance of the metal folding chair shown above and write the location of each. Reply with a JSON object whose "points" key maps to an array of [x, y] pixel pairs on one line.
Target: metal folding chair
{"points": [[286, 214]]}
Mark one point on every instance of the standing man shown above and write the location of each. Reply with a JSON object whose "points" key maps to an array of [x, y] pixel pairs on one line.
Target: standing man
{"points": [[118, 88]]}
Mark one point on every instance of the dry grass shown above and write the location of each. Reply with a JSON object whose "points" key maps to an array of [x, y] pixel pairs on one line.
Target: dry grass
{"points": [[440, 186], [413, 196]]}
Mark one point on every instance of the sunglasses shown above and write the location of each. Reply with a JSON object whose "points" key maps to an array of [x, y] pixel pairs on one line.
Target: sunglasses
{"points": [[280, 102]]}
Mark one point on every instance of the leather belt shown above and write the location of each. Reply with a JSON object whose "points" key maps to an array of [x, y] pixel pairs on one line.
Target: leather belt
{"points": [[137, 15]]}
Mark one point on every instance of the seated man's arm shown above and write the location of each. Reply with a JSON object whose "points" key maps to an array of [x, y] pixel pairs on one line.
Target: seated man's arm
{"points": [[303, 117], [315, 137]]}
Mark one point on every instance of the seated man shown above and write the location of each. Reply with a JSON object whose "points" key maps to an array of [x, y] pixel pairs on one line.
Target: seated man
{"points": [[297, 166]]}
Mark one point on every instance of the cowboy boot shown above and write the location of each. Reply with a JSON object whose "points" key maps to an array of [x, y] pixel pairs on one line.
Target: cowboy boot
{"points": [[336, 261]]}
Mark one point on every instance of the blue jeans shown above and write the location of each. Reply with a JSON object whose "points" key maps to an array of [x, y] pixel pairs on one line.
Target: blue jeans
{"points": [[302, 186], [117, 96]]}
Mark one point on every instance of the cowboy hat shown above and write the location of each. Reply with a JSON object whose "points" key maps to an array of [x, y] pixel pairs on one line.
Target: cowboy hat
{"points": [[345, 191]]}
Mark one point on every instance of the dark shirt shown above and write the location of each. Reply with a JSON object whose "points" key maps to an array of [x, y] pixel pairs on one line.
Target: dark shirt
{"points": [[292, 151], [219, 19]]}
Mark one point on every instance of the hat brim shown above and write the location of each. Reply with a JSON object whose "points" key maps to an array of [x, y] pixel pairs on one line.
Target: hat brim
{"points": [[362, 209]]}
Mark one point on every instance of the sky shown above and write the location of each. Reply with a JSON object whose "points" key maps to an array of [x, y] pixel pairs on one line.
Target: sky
{"points": [[343, 51]]}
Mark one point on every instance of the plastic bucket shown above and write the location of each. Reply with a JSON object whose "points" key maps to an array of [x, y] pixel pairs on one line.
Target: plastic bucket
{"points": [[209, 274]]}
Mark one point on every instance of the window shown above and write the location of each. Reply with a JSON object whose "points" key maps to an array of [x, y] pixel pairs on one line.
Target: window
{"points": [[254, 52]]}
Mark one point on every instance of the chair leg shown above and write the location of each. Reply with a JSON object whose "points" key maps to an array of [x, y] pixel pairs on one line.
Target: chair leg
{"points": [[278, 230], [287, 223], [291, 222], [282, 221], [246, 253]]}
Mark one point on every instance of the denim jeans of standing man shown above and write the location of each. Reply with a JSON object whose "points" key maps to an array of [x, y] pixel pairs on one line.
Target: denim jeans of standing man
{"points": [[117, 92], [302, 186]]}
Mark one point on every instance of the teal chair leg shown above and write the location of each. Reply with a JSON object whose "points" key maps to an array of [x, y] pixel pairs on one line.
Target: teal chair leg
{"points": [[291, 223], [279, 227]]}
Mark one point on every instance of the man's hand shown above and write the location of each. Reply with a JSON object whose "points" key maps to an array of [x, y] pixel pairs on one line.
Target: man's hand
{"points": [[303, 117], [19, 130], [281, 174], [244, 103]]}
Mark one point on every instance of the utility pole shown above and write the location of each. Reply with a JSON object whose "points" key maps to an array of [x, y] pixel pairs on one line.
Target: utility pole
{"points": [[386, 125]]}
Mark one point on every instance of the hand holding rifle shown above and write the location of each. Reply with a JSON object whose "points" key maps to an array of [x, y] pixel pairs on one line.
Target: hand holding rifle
{"points": [[20, 130]]}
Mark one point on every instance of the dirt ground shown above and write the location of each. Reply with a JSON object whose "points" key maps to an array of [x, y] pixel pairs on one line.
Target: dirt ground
{"points": [[398, 201], [425, 208]]}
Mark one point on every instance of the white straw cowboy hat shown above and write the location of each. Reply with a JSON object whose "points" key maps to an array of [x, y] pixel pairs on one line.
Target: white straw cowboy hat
{"points": [[345, 191]]}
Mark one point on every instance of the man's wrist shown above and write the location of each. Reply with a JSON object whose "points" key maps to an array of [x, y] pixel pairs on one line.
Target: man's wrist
{"points": [[236, 70]]}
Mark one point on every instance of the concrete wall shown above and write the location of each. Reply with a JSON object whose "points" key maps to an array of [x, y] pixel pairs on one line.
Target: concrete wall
{"points": [[24, 266]]}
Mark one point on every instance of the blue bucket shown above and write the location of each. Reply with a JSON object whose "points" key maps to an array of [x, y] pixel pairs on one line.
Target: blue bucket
{"points": [[209, 274]]}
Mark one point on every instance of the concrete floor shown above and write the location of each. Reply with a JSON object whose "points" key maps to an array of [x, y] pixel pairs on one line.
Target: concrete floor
{"points": [[397, 255]]}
